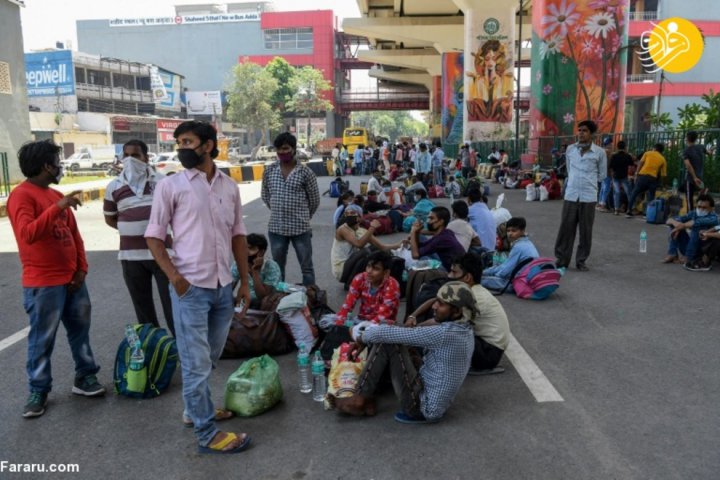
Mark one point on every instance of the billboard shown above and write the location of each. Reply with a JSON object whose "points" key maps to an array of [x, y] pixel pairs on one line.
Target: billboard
{"points": [[185, 20], [203, 103], [165, 129], [170, 88], [49, 74]]}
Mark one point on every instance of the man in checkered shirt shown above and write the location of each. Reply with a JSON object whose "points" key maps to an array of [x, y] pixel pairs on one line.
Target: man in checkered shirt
{"points": [[290, 191], [447, 344]]}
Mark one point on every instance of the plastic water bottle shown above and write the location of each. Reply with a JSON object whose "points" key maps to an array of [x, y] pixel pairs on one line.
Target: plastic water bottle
{"points": [[643, 242], [303, 361], [137, 357], [131, 335], [675, 186], [318, 373]]}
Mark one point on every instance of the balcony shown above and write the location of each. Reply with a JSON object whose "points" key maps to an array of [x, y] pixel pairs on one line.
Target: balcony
{"points": [[100, 92], [641, 78], [643, 16]]}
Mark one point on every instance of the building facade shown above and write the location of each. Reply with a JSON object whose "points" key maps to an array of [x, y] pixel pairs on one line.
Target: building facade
{"points": [[206, 41]]}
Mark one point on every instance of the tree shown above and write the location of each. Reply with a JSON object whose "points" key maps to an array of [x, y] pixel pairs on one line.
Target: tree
{"points": [[391, 124], [661, 121], [308, 86], [691, 116], [250, 99], [283, 73]]}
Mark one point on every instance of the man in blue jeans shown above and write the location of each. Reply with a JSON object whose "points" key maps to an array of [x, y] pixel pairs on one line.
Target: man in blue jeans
{"points": [[203, 206], [437, 159], [52, 254], [290, 191], [684, 247]]}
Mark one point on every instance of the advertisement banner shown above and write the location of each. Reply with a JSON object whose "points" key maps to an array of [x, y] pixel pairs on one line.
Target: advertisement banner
{"points": [[49, 74], [204, 103], [165, 129], [452, 98], [489, 70], [157, 85], [185, 20], [579, 65], [171, 84]]}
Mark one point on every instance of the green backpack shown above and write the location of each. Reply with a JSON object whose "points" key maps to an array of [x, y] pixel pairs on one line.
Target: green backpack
{"points": [[161, 358]]}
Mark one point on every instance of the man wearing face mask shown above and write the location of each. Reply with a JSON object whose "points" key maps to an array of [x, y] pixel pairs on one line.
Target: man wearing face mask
{"points": [[204, 208], [443, 244], [290, 191], [587, 168], [684, 247], [52, 254], [127, 204]]}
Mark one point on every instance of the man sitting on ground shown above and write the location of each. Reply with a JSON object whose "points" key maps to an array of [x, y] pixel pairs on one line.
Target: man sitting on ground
{"points": [[482, 220], [490, 325], [377, 292], [264, 272], [372, 204], [710, 246], [442, 244], [426, 387], [374, 183], [461, 227], [684, 247], [350, 237], [498, 276]]}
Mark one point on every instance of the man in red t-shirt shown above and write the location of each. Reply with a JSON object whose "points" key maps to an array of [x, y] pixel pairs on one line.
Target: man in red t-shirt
{"points": [[54, 268]]}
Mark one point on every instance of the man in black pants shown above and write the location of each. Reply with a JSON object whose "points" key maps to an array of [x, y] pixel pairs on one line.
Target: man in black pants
{"points": [[127, 204], [693, 159], [587, 168]]}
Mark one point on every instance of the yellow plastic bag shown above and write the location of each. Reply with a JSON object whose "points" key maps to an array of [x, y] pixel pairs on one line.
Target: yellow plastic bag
{"points": [[343, 378]]}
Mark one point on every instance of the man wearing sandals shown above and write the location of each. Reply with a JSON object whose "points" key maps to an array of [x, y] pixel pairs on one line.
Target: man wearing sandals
{"points": [[203, 207]]}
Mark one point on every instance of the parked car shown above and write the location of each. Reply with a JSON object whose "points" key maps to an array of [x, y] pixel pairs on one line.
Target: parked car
{"points": [[266, 152], [88, 159], [167, 164]]}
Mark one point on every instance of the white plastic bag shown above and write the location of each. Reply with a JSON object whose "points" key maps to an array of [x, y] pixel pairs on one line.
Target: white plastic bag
{"points": [[531, 193], [299, 322], [404, 253], [544, 194], [501, 215]]}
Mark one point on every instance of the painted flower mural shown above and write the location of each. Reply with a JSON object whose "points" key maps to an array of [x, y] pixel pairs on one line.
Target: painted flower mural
{"points": [[578, 53]]}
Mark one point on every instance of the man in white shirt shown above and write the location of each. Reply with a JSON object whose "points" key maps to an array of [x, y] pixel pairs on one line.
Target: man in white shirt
{"points": [[587, 168], [461, 227]]}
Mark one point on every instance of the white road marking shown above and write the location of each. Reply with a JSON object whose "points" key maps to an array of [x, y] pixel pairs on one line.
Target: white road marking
{"points": [[534, 378], [14, 338]]}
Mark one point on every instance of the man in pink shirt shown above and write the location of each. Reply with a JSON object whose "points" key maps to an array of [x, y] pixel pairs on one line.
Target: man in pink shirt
{"points": [[203, 207]]}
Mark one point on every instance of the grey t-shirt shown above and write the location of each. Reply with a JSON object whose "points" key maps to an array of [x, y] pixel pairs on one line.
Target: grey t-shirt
{"points": [[696, 155]]}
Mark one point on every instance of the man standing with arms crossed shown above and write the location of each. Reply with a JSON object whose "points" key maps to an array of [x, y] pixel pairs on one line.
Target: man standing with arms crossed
{"points": [[52, 254], [203, 207], [587, 168], [127, 204]]}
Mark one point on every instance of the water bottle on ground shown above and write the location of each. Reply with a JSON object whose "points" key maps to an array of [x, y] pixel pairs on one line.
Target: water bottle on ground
{"points": [[675, 186], [303, 361], [319, 382], [643, 242]]}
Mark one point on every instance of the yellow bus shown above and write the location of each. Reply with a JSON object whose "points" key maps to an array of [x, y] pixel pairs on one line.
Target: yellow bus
{"points": [[354, 136]]}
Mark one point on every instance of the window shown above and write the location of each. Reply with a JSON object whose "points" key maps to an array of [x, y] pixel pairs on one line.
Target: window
{"points": [[288, 38], [124, 81], [80, 75], [96, 77]]}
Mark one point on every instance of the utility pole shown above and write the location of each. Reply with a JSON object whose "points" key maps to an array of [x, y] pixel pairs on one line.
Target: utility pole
{"points": [[517, 93]]}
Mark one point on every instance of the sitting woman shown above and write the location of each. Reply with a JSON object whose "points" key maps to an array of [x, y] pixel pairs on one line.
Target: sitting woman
{"points": [[344, 200], [350, 237], [264, 272], [403, 221]]}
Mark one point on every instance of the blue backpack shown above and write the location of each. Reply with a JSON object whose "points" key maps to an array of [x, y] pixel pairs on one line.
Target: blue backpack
{"points": [[161, 357]]}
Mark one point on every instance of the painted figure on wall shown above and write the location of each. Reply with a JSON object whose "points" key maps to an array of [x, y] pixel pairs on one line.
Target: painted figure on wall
{"points": [[452, 98], [490, 95]]}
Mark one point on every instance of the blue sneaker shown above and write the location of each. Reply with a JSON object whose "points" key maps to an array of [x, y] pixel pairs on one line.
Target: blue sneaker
{"points": [[35, 405], [88, 386], [402, 417]]}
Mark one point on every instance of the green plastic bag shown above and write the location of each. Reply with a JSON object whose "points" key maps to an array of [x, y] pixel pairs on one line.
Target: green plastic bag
{"points": [[254, 387]]}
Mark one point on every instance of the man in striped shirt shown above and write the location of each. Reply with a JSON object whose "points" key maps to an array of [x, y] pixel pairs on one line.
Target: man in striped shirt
{"points": [[128, 200], [425, 391]]}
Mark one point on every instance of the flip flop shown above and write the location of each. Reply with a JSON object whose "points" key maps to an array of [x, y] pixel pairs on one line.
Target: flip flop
{"points": [[488, 371], [229, 438], [220, 415]]}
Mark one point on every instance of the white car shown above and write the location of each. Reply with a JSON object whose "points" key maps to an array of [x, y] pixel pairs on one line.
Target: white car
{"points": [[167, 164]]}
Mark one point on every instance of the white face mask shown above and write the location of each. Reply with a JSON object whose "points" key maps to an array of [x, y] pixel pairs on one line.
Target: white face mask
{"points": [[135, 166], [700, 212]]}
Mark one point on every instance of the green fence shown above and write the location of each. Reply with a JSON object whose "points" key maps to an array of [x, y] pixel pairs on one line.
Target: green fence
{"points": [[5, 180], [637, 142]]}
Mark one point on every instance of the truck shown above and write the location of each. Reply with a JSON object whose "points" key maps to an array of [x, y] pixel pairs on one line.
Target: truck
{"points": [[325, 147], [90, 158]]}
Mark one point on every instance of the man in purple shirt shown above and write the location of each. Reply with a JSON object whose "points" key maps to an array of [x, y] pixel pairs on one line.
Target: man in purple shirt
{"points": [[442, 245], [203, 207]]}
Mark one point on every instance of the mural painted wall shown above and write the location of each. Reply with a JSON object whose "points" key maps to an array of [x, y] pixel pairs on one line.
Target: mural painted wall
{"points": [[489, 66], [452, 98], [579, 64]]}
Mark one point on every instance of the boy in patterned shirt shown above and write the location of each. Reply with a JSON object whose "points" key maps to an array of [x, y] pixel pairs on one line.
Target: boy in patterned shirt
{"points": [[378, 292]]}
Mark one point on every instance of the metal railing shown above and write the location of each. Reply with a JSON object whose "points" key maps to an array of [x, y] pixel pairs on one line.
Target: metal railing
{"points": [[101, 92], [353, 96], [641, 78], [643, 16], [637, 143], [5, 179]]}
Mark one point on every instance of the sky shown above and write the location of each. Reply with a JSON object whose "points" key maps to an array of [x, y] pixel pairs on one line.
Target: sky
{"points": [[46, 21]]}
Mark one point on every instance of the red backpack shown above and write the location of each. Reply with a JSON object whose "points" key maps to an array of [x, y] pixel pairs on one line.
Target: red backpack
{"points": [[536, 279]]}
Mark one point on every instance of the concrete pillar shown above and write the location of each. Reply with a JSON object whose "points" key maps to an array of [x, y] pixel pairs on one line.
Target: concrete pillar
{"points": [[489, 58], [452, 97], [579, 62]]}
